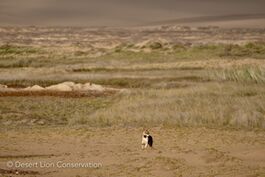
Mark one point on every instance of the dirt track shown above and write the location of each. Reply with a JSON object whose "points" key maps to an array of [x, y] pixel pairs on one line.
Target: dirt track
{"points": [[179, 152]]}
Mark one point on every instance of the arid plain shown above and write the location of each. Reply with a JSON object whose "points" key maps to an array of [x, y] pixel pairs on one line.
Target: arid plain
{"points": [[77, 94]]}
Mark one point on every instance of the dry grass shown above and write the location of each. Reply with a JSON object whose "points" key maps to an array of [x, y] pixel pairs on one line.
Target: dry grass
{"points": [[224, 96], [21, 111], [213, 105], [242, 74], [203, 104], [201, 94], [171, 82], [14, 56]]}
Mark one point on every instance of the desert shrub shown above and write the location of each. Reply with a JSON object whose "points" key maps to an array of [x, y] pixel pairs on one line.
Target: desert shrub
{"points": [[226, 51], [179, 47], [256, 50], [16, 63], [239, 51], [80, 53], [123, 46], [130, 45], [156, 45], [118, 49], [22, 63]]}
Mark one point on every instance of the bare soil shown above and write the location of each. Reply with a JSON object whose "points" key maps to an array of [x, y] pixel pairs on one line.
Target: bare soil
{"points": [[177, 152]]}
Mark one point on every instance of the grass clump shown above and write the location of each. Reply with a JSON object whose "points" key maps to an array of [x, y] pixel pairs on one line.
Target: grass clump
{"points": [[255, 50], [16, 63], [8, 49], [156, 45], [242, 74]]}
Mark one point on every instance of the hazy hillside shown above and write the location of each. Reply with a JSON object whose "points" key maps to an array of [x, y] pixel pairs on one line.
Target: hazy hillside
{"points": [[227, 21], [121, 12]]}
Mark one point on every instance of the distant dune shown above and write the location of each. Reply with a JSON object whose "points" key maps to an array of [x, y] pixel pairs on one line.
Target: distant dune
{"points": [[226, 21], [124, 13]]}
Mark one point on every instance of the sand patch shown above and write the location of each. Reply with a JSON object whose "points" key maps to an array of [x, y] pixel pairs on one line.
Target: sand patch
{"points": [[65, 89]]}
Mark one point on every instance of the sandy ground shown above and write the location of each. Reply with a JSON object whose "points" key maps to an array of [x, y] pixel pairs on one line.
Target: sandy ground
{"points": [[117, 152]]}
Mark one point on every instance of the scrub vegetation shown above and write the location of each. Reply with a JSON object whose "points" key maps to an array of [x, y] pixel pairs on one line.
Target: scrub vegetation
{"points": [[199, 91]]}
